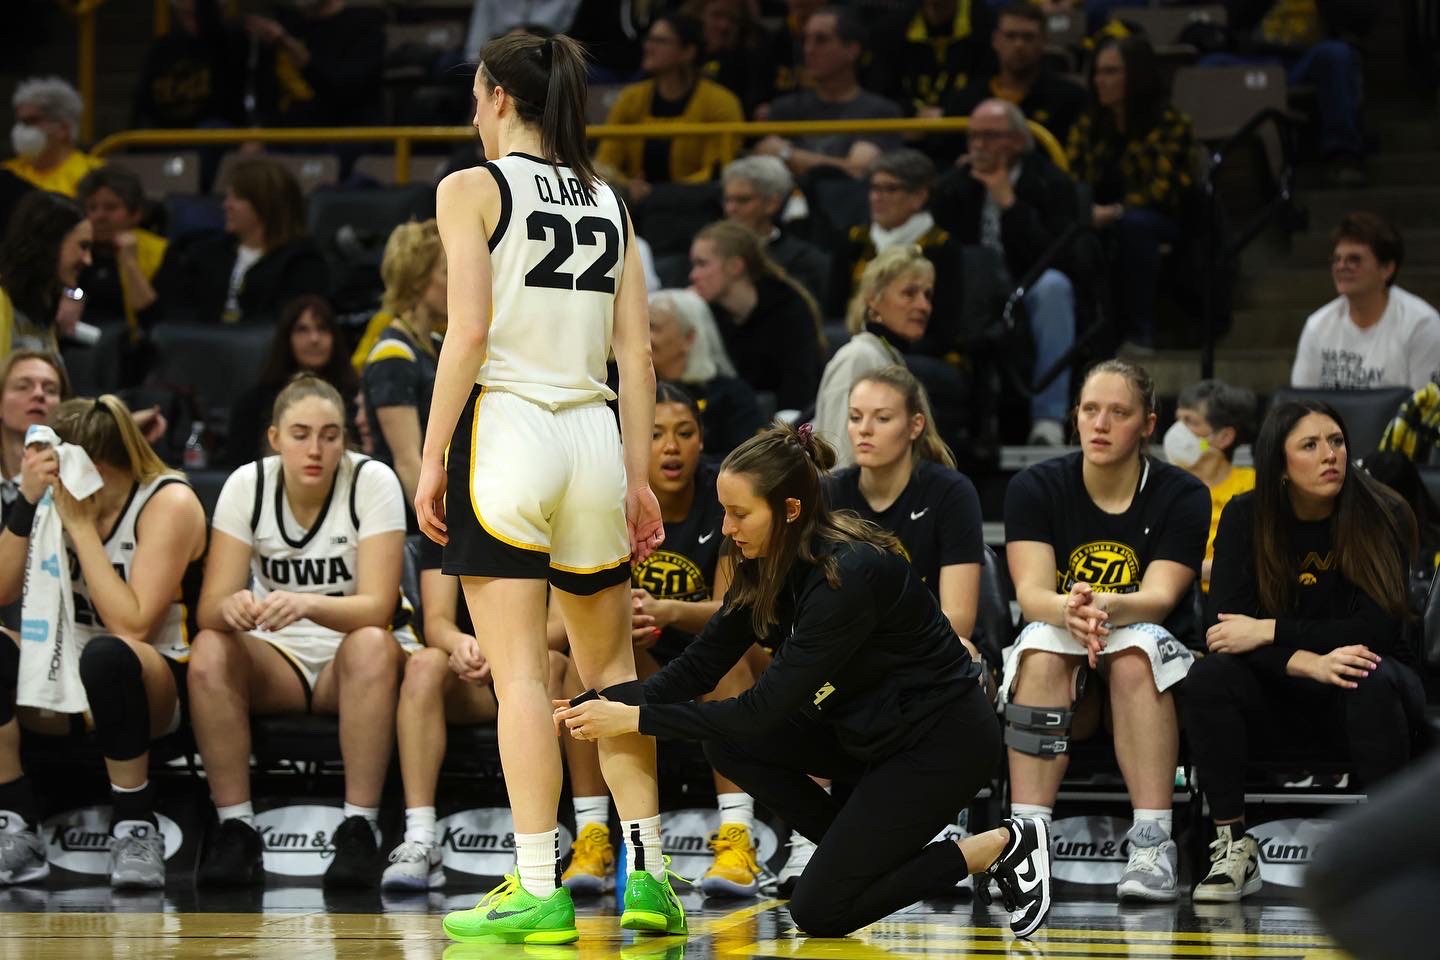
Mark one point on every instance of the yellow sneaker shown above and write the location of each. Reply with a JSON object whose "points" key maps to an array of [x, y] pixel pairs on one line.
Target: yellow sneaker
{"points": [[592, 863], [735, 872]]}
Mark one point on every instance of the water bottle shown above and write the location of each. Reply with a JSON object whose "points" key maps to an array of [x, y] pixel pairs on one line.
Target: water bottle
{"points": [[195, 456]]}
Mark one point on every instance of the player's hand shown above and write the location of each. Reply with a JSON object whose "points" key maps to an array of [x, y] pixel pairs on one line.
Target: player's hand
{"points": [[430, 501], [642, 517], [239, 610], [39, 468], [280, 609], [468, 662]]}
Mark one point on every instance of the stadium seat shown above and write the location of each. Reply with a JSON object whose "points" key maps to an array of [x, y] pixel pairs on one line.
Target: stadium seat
{"points": [[352, 227], [191, 214], [211, 365], [380, 167], [674, 212], [1366, 412], [410, 579], [312, 170], [1221, 100], [1166, 25], [162, 174], [95, 369], [994, 627], [207, 485]]}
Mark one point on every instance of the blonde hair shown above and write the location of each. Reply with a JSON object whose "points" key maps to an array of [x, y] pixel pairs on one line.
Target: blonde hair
{"points": [[734, 240], [927, 446], [410, 257], [104, 428], [879, 273], [302, 385]]}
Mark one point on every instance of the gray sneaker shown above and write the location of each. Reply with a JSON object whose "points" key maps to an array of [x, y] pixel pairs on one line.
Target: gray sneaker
{"points": [[22, 857], [1154, 864], [137, 859]]}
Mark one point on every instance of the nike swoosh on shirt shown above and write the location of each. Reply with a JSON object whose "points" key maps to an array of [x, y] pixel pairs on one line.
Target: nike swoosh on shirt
{"points": [[917, 516], [707, 536]]}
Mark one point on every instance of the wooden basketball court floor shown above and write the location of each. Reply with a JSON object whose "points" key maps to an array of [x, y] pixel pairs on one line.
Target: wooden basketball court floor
{"points": [[91, 923]]}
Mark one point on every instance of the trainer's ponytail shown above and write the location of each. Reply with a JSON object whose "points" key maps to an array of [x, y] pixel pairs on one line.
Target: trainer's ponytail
{"points": [[547, 79]]}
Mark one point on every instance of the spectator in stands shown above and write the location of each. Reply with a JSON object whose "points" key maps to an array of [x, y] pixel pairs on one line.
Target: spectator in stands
{"points": [[755, 191], [399, 372], [770, 325], [676, 591], [307, 340], [900, 183], [673, 91], [320, 64], [834, 42], [1212, 418], [262, 262], [888, 314], [194, 75], [47, 128], [1309, 641], [1134, 150], [1374, 334], [788, 72], [1415, 431], [322, 630], [732, 56], [1317, 44], [686, 348], [46, 246], [119, 284], [134, 549], [13, 189], [1400, 474], [494, 18], [1023, 77], [1103, 547], [433, 696], [1009, 197], [929, 52]]}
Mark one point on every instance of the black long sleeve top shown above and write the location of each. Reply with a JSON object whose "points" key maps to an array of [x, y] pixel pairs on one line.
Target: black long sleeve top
{"points": [[1329, 610], [873, 657]]}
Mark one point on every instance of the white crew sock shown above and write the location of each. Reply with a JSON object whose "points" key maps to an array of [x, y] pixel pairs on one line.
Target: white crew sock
{"points": [[420, 825], [238, 811], [371, 815], [592, 810], [1031, 810], [538, 856], [1164, 820], [738, 808], [642, 846]]}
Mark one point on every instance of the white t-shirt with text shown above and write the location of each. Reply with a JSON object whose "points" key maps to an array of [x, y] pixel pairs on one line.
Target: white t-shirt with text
{"points": [[1401, 350]]}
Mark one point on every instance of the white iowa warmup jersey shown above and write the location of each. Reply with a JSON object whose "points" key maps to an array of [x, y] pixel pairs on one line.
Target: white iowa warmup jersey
{"points": [[556, 255]]}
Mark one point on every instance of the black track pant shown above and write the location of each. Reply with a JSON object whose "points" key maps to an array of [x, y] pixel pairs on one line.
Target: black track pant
{"points": [[874, 852], [1375, 882], [1232, 712]]}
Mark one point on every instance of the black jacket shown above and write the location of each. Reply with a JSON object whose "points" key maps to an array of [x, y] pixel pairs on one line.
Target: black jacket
{"points": [[1053, 102], [874, 658], [194, 284], [777, 347], [1045, 207]]}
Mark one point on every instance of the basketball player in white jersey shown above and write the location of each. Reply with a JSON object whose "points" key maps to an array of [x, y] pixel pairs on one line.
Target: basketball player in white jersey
{"points": [[134, 551], [544, 280], [320, 532]]}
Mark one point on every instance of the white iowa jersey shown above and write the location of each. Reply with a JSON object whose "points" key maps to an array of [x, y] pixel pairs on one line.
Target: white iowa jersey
{"points": [[364, 500], [556, 254], [172, 635]]}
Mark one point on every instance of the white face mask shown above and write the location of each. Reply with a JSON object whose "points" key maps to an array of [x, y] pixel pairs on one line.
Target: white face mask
{"points": [[28, 141], [1182, 447]]}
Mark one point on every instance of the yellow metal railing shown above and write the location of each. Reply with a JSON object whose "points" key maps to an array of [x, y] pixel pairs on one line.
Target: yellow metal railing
{"points": [[404, 138]]}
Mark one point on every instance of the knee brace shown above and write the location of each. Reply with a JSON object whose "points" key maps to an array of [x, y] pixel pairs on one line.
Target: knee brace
{"points": [[9, 678], [1043, 731], [115, 685], [631, 692]]}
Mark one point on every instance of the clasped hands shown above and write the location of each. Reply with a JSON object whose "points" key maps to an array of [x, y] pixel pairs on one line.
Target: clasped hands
{"points": [[1087, 618]]}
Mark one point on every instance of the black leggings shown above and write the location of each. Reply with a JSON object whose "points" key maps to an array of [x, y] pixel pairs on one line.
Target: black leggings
{"points": [[1232, 712], [874, 852], [1375, 882]]}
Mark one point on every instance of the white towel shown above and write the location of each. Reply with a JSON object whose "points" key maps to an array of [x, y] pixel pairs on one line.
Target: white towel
{"points": [[1170, 660], [49, 651]]}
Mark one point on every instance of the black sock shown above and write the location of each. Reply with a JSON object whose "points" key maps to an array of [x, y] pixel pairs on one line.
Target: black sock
{"points": [[134, 805], [18, 797]]}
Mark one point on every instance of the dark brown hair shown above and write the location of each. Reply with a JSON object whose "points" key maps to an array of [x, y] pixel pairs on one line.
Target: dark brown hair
{"points": [[30, 253], [1146, 93], [1375, 232], [1372, 529], [119, 180], [1024, 11], [547, 79], [281, 365], [783, 463], [275, 194]]}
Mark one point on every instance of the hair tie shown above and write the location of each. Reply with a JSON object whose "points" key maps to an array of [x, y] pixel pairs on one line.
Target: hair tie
{"points": [[805, 432]]}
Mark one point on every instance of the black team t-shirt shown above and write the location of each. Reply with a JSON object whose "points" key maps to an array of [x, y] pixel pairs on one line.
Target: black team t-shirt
{"points": [[1168, 519], [936, 517], [684, 566]]}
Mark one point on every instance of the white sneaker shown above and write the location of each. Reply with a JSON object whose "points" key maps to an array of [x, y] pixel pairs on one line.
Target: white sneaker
{"points": [[414, 866], [801, 850], [1234, 868], [22, 857]]}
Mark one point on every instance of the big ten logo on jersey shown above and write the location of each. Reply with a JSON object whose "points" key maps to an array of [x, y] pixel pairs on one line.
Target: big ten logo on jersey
{"points": [[79, 840], [1091, 850], [1287, 847], [685, 839], [481, 842], [1107, 566], [305, 571], [670, 576], [297, 841]]}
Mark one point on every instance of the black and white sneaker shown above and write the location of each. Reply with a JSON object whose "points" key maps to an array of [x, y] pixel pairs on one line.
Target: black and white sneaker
{"points": [[357, 857], [232, 858], [1022, 873]]}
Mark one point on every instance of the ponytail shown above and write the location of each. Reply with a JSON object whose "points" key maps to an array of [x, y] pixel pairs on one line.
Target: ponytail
{"points": [[104, 429], [547, 79], [733, 240]]}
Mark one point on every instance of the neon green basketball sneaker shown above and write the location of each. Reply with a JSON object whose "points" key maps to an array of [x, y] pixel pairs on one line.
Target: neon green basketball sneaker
{"points": [[511, 914], [651, 905]]}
